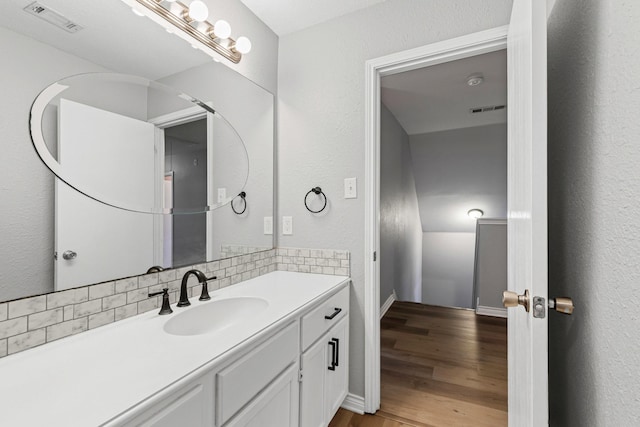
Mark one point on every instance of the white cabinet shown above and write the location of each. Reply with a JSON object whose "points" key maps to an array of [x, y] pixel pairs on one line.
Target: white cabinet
{"points": [[294, 376], [243, 380], [276, 406], [325, 364], [191, 405]]}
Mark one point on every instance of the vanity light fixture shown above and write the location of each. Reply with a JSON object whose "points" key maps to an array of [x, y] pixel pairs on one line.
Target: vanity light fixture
{"points": [[192, 20], [475, 213]]}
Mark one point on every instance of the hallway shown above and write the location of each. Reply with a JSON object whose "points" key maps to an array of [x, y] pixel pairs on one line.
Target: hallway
{"points": [[439, 367]]}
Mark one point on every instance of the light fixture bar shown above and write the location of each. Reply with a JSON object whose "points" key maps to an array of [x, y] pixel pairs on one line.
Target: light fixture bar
{"points": [[184, 25]]}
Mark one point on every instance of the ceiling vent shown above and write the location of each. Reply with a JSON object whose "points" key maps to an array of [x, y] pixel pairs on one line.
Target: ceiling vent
{"points": [[486, 109], [52, 17]]}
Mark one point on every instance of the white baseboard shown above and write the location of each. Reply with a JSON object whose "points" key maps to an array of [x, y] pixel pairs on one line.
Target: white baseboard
{"points": [[483, 310], [387, 303], [354, 403]]}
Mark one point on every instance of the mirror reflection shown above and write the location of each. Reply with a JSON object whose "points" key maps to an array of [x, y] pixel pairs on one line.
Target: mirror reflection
{"points": [[120, 139], [38, 54]]}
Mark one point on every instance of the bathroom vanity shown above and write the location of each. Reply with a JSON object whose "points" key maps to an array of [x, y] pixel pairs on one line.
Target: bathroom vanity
{"points": [[278, 357]]}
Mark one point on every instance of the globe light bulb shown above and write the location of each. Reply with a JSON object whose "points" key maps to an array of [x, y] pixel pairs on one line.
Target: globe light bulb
{"points": [[198, 11], [222, 29], [243, 45]]}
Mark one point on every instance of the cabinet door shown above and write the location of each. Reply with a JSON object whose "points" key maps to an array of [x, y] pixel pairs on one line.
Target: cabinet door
{"points": [[314, 365], [336, 382], [276, 406], [190, 406]]}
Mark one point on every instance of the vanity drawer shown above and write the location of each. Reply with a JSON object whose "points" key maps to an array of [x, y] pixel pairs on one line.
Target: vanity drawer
{"points": [[241, 381], [315, 323]]}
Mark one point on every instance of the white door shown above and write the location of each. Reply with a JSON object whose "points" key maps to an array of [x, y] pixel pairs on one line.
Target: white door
{"points": [[527, 210], [109, 242]]}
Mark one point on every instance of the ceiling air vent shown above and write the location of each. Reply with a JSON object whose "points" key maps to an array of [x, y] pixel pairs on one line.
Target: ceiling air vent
{"points": [[52, 17], [487, 109]]}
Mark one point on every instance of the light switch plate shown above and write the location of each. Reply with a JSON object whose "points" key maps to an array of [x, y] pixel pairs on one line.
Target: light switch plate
{"points": [[350, 188], [222, 195], [268, 225], [287, 225]]}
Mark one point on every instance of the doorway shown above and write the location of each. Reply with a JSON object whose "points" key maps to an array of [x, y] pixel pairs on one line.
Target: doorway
{"points": [[439, 53], [185, 154], [443, 172]]}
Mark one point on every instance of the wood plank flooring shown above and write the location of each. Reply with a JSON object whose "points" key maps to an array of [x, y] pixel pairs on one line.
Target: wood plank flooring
{"points": [[439, 367]]}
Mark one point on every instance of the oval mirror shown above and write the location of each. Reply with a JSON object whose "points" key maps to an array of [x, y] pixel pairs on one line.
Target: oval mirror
{"points": [[138, 145]]}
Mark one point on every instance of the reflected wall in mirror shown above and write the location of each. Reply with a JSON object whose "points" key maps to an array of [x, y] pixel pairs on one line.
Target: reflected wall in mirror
{"points": [[113, 39]]}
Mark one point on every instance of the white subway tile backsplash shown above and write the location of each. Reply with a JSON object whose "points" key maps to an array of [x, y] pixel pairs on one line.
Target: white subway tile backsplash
{"points": [[126, 311], [87, 308], [68, 313], [167, 276], [68, 297], [148, 304], [148, 280], [137, 295], [3, 312], [114, 301], [45, 318], [13, 327], [27, 306], [126, 285], [3, 347], [25, 341], [340, 271], [64, 329], [102, 318], [101, 290]]}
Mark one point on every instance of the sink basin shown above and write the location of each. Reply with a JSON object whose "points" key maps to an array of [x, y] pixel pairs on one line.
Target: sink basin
{"points": [[214, 315]]}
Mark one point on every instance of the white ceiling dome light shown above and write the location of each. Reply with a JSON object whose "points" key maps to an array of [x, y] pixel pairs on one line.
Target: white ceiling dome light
{"points": [[475, 213]]}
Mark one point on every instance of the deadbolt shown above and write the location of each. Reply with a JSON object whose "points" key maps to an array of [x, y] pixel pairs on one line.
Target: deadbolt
{"points": [[512, 299], [562, 305]]}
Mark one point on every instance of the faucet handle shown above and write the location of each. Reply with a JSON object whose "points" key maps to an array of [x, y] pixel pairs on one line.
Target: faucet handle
{"points": [[204, 296], [166, 308]]}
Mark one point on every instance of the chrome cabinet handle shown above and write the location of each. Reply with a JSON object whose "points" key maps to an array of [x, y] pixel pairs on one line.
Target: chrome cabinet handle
{"points": [[69, 255]]}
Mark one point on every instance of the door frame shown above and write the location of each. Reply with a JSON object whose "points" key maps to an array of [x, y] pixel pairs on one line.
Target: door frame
{"points": [[436, 53]]}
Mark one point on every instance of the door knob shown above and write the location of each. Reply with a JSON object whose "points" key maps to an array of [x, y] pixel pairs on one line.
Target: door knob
{"points": [[69, 255], [512, 299]]}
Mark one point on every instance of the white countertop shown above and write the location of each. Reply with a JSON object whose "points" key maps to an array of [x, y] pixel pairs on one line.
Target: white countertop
{"points": [[90, 378]]}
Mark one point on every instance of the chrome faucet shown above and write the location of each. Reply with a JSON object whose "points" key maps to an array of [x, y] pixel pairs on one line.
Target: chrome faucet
{"points": [[202, 279]]}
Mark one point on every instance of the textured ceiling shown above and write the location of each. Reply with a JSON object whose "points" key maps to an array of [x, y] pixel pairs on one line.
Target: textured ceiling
{"points": [[438, 98], [289, 16]]}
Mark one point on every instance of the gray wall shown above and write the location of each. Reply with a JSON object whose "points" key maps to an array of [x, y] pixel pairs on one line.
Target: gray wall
{"points": [[447, 269], [321, 120], [594, 211], [491, 263], [458, 170], [400, 228]]}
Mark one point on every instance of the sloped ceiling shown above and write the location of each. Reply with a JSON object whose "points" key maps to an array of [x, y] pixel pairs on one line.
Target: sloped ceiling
{"points": [[459, 159]]}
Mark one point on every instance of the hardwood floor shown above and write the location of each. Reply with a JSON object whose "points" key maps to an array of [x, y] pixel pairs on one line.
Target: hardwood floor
{"points": [[439, 367]]}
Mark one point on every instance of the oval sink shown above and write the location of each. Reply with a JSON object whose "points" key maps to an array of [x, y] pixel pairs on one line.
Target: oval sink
{"points": [[214, 315]]}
